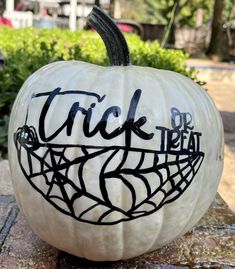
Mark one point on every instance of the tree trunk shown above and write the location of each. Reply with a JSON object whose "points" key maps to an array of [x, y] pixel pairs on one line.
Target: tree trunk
{"points": [[215, 48], [112, 8], [97, 3], [171, 24], [176, 9], [2, 7]]}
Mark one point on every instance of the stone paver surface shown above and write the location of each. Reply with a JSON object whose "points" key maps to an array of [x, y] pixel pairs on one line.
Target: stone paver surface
{"points": [[8, 213], [5, 179], [211, 242], [23, 249]]}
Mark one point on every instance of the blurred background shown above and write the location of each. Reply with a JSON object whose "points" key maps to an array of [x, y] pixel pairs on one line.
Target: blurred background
{"points": [[183, 24]]}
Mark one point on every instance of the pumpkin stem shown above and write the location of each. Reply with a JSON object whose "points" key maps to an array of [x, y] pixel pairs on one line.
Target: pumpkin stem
{"points": [[114, 40]]}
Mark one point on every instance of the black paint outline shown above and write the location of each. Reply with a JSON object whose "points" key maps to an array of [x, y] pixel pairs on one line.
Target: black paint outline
{"points": [[26, 139]]}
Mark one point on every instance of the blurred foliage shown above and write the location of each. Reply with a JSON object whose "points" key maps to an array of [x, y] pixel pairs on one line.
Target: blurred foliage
{"points": [[188, 12], [160, 11], [229, 13], [152, 11], [29, 49], [4, 120]]}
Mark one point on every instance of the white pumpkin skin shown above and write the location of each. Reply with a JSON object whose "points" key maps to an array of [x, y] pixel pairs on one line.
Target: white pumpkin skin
{"points": [[114, 238]]}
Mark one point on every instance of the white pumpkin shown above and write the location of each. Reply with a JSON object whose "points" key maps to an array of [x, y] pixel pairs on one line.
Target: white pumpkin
{"points": [[108, 163]]}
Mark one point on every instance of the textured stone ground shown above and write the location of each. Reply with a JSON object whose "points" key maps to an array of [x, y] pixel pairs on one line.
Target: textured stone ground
{"points": [[211, 244]]}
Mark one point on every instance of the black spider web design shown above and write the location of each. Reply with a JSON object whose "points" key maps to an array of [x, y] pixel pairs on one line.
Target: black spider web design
{"points": [[171, 172]]}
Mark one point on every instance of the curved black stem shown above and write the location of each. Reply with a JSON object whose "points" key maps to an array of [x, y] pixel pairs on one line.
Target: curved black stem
{"points": [[114, 40]]}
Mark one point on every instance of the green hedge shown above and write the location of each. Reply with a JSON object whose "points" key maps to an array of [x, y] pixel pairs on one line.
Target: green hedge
{"points": [[28, 49]]}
